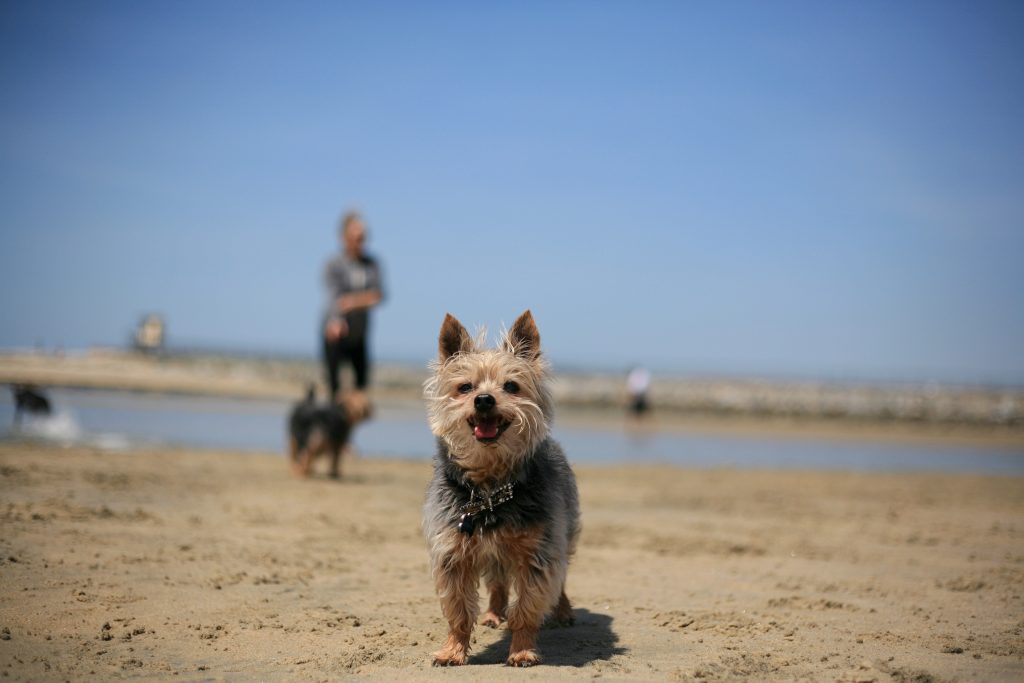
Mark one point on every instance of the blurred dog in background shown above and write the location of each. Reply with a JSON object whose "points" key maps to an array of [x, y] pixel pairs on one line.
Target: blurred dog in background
{"points": [[317, 429], [30, 399]]}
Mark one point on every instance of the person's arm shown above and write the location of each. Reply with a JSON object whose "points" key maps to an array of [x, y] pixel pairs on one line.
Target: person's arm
{"points": [[357, 300], [335, 326], [367, 298]]}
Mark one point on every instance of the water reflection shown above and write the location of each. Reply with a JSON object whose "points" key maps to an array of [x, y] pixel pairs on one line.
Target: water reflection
{"points": [[114, 419]]}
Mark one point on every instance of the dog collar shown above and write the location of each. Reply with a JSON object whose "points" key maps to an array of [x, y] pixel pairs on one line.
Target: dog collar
{"points": [[487, 501]]}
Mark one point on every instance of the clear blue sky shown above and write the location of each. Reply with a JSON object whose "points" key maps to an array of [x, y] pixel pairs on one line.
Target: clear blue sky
{"points": [[777, 188]]}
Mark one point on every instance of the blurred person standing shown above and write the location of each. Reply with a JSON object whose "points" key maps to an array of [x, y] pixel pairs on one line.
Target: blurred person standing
{"points": [[354, 286], [638, 383]]}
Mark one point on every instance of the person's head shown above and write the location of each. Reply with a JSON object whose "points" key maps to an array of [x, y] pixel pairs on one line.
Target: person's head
{"points": [[353, 233]]}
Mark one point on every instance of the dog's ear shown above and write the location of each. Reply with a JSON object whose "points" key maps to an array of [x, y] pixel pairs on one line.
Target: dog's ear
{"points": [[453, 338], [523, 339]]}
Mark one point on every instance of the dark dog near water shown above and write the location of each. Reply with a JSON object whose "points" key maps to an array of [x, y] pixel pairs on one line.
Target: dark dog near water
{"points": [[29, 398], [317, 429]]}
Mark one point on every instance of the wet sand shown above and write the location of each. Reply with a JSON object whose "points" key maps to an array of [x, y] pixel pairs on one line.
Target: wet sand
{"points": [[188, 565]]}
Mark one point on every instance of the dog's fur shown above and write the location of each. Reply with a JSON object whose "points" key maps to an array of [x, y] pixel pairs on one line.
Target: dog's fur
{"points": [[491, 410], [318, 429], [29, 398]]}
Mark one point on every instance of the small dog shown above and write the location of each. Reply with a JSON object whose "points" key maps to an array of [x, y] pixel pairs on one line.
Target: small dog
{"points": [[317, 429], [502, 502], [29, 398]]}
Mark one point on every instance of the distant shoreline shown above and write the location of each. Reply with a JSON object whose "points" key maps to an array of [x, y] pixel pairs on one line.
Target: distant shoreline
{"points": [[927, 413]]}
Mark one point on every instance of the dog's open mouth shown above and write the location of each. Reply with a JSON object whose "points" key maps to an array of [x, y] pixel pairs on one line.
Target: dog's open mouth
{"points": [[487, 428]]}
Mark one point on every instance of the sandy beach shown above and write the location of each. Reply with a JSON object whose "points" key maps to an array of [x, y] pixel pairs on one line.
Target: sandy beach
{"points": [[755, 267], [192, 565]]}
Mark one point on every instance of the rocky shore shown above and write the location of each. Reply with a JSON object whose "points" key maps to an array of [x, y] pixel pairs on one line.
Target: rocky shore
{"points": [[211, 374]]}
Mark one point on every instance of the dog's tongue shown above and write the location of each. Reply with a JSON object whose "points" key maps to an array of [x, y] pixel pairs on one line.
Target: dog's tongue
{"points": [[486, 429]]}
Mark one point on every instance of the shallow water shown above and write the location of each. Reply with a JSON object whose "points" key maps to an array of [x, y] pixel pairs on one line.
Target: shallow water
{"points": [[120, 420]]}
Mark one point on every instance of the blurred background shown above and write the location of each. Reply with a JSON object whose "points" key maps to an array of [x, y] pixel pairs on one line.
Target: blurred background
{"points": [[780, 209]]}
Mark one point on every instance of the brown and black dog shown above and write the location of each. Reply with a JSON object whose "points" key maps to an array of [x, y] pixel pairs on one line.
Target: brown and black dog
{"points": [[502, 503], [317, 429]]}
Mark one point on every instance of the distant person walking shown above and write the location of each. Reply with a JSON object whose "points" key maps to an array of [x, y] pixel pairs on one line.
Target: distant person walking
{"points": [[354, 286], [638, 382]]}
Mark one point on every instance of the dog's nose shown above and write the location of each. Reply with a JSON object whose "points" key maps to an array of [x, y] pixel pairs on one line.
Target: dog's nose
{"points": [[483, 402]]}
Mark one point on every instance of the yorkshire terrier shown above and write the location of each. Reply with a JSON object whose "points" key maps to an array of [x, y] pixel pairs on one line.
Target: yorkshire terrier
{"points": [[316, 429], [502, 502]]}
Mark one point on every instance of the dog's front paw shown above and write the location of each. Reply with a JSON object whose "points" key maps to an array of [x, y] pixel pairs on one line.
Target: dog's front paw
{"points": [[491, 619], [450, 656], [523, 658]]}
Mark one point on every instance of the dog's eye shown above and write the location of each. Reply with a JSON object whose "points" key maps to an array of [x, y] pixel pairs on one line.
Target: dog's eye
{"points": [[511, 387], [465, 388]]}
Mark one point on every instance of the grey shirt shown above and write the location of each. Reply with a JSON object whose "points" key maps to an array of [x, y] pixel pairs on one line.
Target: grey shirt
{"points": [[345, 275]]}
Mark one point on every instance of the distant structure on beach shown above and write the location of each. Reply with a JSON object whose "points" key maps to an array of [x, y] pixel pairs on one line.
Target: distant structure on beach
{"points": [[149, 335], [638, 383]]}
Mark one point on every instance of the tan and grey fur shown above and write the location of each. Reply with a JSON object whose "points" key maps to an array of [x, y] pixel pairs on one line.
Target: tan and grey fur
{"points": [[521, 546]]}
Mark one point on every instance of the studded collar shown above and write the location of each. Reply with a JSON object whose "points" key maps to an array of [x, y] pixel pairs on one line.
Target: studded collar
{"points": [[479, 502]]}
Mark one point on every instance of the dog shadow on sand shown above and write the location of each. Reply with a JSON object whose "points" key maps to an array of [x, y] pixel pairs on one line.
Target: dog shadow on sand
{"points": [[590, 639]]}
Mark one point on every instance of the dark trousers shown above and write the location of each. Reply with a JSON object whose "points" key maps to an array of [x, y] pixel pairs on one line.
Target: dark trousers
{"points": [[348, 349]]}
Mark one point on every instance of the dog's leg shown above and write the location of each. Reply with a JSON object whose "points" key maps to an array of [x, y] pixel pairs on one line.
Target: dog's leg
{"points": [[536, 589], [335, 461], [563, 611], [497, 585], [293, 452], [456, 583], [525, 616], [306, 456]]}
